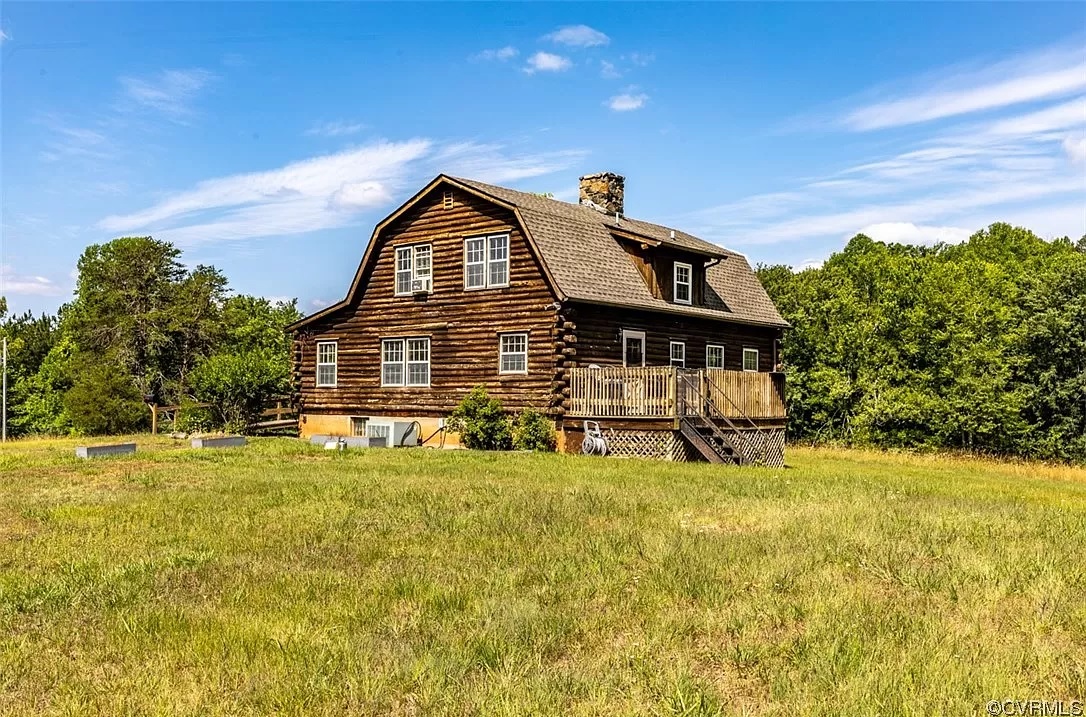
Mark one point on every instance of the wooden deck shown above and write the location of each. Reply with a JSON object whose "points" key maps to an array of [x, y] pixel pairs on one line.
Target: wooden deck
{"points": [[651, 392]]}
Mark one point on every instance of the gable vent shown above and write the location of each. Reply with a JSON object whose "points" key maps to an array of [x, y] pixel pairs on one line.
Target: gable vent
{"points": [[447, 200]]}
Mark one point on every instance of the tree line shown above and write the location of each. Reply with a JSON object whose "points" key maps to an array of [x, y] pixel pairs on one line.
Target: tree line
{"points": [[143, 329], [978, 346]]}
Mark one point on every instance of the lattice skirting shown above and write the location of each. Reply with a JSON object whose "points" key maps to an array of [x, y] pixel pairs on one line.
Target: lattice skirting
{"points": [[767, 445], [631, 443]]}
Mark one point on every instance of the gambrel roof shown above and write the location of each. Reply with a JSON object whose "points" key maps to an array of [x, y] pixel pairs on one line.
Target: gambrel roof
{"points": [[584, 261]]}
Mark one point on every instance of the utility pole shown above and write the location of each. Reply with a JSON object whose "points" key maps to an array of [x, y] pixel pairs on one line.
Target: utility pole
{"points": [[4, 410]]}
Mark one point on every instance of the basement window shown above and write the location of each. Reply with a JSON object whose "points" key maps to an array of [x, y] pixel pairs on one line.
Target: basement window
{"points": [[414, 270], [714, 356], [405, 362], [683, 273], [327, 355], [678, 354], [750, 359], [513, 353], [486, 262]]}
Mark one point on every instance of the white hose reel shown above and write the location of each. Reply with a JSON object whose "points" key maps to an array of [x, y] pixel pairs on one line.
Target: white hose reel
{"points": [[594, 444]]}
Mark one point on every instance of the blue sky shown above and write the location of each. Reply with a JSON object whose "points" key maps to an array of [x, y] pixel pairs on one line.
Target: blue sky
{"points": [[268, 139]]}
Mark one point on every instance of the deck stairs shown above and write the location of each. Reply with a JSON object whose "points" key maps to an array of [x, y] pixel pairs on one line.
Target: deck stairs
{"points": [[715, 436]]}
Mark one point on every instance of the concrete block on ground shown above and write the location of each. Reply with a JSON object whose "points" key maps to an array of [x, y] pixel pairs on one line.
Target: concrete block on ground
{"points": [[109, 449], [220, 442]]}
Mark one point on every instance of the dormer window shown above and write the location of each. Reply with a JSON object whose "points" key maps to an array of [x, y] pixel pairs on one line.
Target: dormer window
{"points": [[683, 283]]}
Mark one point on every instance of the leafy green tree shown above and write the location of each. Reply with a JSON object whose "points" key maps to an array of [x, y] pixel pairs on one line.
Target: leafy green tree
{"points": [[238, 384], [104, 399]]}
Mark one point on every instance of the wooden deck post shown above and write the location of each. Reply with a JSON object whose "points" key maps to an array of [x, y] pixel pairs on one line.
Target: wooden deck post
{"points": [[154, 419]]}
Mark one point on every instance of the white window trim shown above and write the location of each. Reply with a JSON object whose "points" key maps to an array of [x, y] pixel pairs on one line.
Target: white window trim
{"points": [[405, 362], [502, 353], [334, 364], [671, 353], [414, 269], [756, 360], [714, 346], [630, 333], [487, 261], [689, 283]]}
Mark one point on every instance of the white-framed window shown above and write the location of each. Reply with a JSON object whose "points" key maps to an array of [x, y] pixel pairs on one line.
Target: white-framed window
{"points": [[714, 356], [633, 348], [750, 359], [678, 354], [405, 362], [486, 261], [327, 355], [414, 269], [513, 353], [683, 282]]}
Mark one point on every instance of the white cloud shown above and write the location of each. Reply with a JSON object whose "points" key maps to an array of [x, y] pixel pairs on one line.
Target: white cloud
{"points": [[578, 36], [1076, 149], [71, 142], [808, 264], [323, 192], [12, 284], [546, 62], [4, 37], [641, 59], [608, 70], [170, 92], [1050, 74], [628, 101], [336, 128], [942, 186], [501, 54], [909, 233]]}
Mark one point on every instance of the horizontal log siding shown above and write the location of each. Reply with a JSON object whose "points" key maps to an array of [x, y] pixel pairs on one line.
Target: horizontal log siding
{"points": [[463, 326], [599, 337]]}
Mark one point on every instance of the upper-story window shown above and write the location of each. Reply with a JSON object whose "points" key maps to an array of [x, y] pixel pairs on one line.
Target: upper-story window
{"points": [[683, 283], [486, 261], [326, 364], [414, 269]]}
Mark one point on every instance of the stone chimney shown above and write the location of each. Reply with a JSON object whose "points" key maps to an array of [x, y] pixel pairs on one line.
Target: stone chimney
{"points": [[603, 192]]}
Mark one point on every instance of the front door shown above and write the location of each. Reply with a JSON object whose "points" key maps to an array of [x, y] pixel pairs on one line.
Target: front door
{"points": [[633, 348]]}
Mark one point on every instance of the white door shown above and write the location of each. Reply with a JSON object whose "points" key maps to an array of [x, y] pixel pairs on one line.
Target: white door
{"points": [[633, 348]]}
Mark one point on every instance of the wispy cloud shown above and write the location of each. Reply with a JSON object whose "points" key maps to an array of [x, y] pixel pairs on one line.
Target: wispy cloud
{"points": [[336, 128], [170, 92], [501, 54], [547, 62], [640, 59], [323, 192], [68, 142], [628, 101], [1050, 74], [4, 37], [578, 36], [940, 186], [14, 284], [608, 71]]}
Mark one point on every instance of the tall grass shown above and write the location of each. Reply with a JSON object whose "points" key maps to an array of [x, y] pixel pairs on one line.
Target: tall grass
{"points": [[283, 579]]}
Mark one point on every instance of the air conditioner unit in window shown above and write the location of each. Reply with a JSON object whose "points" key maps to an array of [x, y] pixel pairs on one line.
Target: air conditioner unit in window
{"points": [[420, 286]]}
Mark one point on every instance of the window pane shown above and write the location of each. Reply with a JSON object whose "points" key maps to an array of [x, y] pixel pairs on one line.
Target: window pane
{"points": [[678, 355], [475, 250], [392, 363], [714, 356], [418, 374], [475, 276], [326, 375], [498, 260], [418, 350], [392, 374], [750, 360], [514, 353], [422, 262]]}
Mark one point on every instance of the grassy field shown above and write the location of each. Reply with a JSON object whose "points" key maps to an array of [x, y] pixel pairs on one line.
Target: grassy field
{"points": [[283, 579]]}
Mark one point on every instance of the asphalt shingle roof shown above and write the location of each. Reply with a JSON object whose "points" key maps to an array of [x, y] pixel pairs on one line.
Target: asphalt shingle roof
{"points": [[588, 263]]}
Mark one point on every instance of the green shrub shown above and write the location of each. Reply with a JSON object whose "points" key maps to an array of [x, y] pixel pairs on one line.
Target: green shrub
{"points": [[481, 422], [104, 400], [532, 431], [239, 384], [192, 418]]}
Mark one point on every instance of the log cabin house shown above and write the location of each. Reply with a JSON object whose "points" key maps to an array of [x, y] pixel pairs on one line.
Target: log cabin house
{"points": [[669, 342]]}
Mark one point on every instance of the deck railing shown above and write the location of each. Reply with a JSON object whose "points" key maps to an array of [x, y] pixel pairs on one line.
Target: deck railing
{"points": [[649, 392], [617, 392]]}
